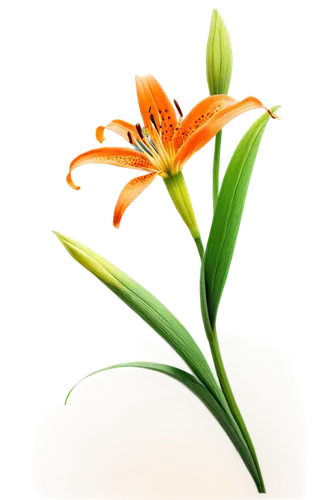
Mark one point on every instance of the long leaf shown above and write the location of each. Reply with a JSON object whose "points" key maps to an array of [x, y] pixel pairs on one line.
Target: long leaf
{"points": [[197, 388], [220, 252], [227, 219], [166, 325], [148, 308]]}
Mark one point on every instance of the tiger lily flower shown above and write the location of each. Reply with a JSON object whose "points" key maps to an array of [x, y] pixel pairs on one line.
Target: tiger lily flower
{"points": [[164, 144]]}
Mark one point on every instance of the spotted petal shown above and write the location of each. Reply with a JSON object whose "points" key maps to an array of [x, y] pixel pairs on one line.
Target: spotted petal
{"points": [[199, 115], [210, 128], [130, 192], [121, 157], [154, 101], [120, 127]]}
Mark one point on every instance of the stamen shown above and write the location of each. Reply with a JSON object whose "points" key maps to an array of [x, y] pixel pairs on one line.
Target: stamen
{"points": [[273, 115], [156, 151], [164, 157], [145, 146], [130, 137], [139, 129], [178, 108], [148, 151], [152, 119], [149, 141]]}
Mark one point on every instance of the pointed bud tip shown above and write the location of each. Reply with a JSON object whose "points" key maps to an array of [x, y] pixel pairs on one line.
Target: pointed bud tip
{"points": [[54, 232], [216, 9], [65, 240]]}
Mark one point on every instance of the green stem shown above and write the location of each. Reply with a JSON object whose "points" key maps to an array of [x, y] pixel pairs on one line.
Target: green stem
{"points": [[178, 192], [216, 167], [228, 395], [231, 400], [200, 247]]}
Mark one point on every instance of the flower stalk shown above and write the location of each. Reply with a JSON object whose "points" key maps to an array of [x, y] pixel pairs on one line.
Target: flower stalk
{"points": [[216, 167], [212, 337], [179, 194]]}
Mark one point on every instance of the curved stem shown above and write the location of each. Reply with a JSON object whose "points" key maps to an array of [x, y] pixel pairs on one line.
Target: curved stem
{"points": [[198, 243], [216, 166], [228, 395], [231, 400]]}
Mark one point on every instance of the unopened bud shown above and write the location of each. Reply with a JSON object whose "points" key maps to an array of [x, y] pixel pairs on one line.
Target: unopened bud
{"points": [[218, 56]]}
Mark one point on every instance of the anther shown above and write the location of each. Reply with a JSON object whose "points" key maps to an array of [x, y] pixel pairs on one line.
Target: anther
{"points": [[129, 137], [178, 108], [270, 113], [149, 110], [152, 119], [139, 129]]}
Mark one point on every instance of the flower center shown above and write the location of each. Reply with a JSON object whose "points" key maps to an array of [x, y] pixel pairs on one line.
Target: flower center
{"points": [[150, 143]]}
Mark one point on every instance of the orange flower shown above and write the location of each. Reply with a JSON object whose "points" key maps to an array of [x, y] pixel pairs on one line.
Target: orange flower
{"points": [[166, 142]]}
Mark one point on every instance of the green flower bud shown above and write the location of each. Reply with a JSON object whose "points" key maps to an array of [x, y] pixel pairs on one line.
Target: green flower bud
{"points": [[218, 56]]}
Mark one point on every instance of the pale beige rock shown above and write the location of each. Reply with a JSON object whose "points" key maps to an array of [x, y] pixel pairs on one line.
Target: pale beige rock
{"points": [[137, 434]]}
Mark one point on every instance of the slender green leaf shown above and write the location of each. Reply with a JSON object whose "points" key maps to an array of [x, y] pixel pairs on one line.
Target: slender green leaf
{"points": [[227, 218], [148, 308], [219, 252], [197, 388], [168, 327]]}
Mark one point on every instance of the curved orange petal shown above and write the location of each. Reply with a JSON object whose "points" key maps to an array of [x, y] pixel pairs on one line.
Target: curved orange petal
{"points": [[205, 133], [199, 115], [120, 127], [154, 101], [121, 157], [130, 192]]}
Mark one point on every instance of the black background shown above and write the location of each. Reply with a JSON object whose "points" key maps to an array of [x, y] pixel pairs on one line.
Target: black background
{"points": [[84, 74]]}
